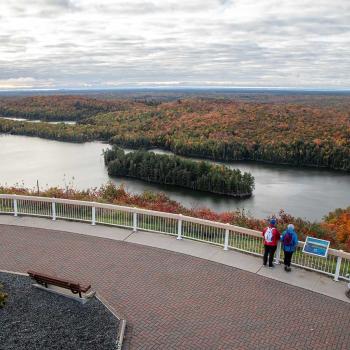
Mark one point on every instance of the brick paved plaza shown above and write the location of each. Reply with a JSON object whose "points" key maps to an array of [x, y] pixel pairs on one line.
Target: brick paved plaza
{"points": [[175, 301]]}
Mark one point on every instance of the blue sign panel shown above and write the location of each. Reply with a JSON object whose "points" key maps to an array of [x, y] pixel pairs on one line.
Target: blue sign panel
{"points": [[315, 246]]}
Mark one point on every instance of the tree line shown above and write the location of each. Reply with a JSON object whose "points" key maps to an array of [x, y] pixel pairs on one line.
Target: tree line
{"points": [[223, 130], [173, 170], [56, 108]]}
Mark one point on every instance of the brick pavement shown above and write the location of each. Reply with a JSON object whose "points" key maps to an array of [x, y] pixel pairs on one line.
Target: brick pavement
{"points": [[175, 301]]}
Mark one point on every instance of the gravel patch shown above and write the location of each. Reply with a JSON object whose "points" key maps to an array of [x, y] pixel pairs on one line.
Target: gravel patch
{"points": [[35, 319]]}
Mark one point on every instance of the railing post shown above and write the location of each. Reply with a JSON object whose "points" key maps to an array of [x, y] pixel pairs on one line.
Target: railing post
{"points": [[179, 227], [15, 208], [93, 218], [53, 211], [134, 222], [337, 268], [227, 232], [278, 253]]}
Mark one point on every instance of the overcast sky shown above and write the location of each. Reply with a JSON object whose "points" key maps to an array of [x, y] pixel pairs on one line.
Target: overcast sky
{"points": [[112, 43]]}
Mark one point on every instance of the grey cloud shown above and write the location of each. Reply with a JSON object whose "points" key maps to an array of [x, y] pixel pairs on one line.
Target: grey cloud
{"points": [[62, 46], [14, 44], [42, 8], [162, 44], [60, 3], [154, 7], [5, 38], [129, 8]]}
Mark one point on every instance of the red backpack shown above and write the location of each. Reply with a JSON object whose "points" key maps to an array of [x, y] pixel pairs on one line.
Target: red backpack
{"points": [[288, 239]]}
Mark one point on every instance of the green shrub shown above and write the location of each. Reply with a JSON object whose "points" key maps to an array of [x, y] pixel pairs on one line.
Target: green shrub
{"points": [[3, 297]]}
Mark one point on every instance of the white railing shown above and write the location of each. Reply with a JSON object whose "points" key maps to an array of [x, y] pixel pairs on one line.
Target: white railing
{"points": [[337, 264]]}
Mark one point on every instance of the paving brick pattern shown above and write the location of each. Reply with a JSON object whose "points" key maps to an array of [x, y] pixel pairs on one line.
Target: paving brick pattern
{"points": [[175, 301]]}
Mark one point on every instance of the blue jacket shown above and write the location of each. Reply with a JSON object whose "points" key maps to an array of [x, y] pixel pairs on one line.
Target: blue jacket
{"points": [[292, 247]]}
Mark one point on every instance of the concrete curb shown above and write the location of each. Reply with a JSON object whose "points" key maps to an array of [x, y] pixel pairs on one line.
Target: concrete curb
{"points": [[122, 321]]}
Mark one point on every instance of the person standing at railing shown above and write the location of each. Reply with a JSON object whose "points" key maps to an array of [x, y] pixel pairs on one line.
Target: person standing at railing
{"points": [[289, 240], [271, 238]]}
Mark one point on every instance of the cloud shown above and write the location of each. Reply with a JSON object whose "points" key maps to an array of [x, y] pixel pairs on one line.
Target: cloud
{"points": [[72, 43], [38, 8], [23, 83]]}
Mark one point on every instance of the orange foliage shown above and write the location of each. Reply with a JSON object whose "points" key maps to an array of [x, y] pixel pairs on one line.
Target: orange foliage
{"points": [[339, 223], [314, 132]]}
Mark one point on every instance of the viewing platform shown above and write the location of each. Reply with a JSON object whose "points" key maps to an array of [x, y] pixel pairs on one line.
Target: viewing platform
{"points": [[178, 293]]}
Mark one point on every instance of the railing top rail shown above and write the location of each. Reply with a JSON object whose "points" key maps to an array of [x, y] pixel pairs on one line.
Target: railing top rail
{"points": [[216, 224]]}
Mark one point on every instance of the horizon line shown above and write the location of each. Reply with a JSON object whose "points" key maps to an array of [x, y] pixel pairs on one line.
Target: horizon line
{"points": [[179, 87]]}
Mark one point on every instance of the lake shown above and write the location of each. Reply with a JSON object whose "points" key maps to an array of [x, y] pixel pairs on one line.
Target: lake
{"points": [[308, 193], [71, 122]]}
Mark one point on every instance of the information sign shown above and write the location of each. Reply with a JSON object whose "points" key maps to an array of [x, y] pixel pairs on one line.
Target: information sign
{"points": [[316, 246]]}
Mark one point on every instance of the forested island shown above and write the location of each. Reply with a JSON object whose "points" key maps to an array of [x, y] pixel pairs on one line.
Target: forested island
{"points": [[173, 170], [299, 131]]}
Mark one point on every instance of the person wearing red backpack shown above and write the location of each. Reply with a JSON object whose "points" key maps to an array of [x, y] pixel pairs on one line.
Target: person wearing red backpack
{"points": [[290, 241], [271, 239]]}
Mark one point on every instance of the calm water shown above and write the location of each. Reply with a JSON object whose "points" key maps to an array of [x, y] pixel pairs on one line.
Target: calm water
{"points": [[308, 193], [38, 121]]}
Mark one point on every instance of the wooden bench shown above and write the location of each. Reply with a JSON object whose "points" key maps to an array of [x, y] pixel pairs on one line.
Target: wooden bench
{"points": [[46, 280]]}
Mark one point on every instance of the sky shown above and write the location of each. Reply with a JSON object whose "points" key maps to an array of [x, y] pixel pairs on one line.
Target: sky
{"points": [[135, 43]]}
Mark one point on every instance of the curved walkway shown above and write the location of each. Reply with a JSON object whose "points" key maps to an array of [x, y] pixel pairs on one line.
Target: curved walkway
{"points": [[177, 301]]}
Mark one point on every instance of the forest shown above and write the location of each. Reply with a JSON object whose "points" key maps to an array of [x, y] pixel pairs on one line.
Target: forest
{"points": [[312, 131], [55, 108], [173, 170]]}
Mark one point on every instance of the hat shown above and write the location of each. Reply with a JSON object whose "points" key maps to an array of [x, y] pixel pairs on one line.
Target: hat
{"points": [[273, 221]]}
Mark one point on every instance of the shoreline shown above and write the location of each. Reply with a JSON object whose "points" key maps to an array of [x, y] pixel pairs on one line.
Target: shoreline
{"points": [[248, 161]]}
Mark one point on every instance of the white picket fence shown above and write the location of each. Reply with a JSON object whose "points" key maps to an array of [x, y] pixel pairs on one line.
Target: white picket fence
{"points": [[337, 264]]}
